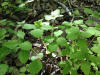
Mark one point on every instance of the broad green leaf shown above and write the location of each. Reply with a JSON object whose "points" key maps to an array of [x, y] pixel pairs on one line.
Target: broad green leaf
{"points": [[96, 14], [94, 59], [29, 26], [22, 69], [48, 17], [83, 47], [11, 44], [11, 23], [93, 31], [23, 56], [76, 12], [58, 33], [85, 67], [88, 11], [66, 67], [96, 48], [85, 34], [77, 22], [11, 69], [25, 45], [3, 22], [82, 43], [97, 72], [3, 69], [38, 23], [67, 24], [73, 33], [73, 72], [48, 39], [89, 22], [4, 3], [77, 55], [46, 27], [98, 40], [64, 52], [62, 63], [2, 33], [61, 41], [35, 66], [11, 31], [3, 53], [52, 47], [92, 73], [37, 33], [20, 34]]}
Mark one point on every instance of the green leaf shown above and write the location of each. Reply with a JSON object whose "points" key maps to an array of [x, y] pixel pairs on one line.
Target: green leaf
{"points": [[88, 11], [52, 47], [61, 41], [82, 43], [3, 22], [76, 12], [96, 48], [64, 52], [97, 72], [48, 39], [29, 26], [93, 31], [22, 69], [58, 33], [4, 3], [26, 45], [46, 27], [77, 55], [35, 66], [11, 44], [67, 24], [73, 33], [74, 72], [96, 14], [11, 69], [66, 67], [20, 34], [89, 22], [38, 23], [23, 56], [85, 34], [37, 33], [2, 33], [3, 69], [3, 53], [85, 67], [77, 22], [94, 59], [98, 40], [48, 17]]}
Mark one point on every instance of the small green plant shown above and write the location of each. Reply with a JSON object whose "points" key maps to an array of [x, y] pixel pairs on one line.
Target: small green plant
{"points": [[70, 38]]}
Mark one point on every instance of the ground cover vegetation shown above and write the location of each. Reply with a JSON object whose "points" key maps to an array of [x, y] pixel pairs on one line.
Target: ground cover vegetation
{"points": [[49, 37]]}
